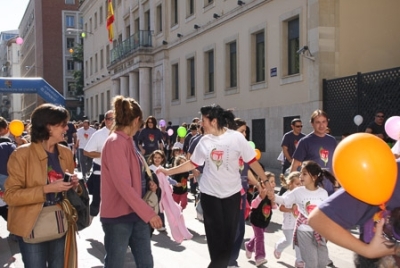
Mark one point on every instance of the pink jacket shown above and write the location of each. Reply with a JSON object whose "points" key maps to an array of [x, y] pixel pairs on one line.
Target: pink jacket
{"points": [[173, 211], [121, 184]]}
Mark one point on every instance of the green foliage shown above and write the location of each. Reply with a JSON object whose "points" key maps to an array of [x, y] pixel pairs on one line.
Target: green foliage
{"points": [[77, 56]]}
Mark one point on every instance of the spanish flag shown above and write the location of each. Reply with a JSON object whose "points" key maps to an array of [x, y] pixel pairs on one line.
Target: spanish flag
{"points": [[110, 21]]}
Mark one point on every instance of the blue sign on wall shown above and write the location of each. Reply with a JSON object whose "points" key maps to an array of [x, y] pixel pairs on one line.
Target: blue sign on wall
{"points": [[31, 85]]}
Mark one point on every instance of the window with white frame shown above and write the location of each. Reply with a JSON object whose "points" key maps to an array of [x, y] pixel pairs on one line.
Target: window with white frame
{"points": [[70, 65], [191, 77], [175, 81], [190, 7], [70, 42], [101, 59], [101, 15], [159, 19], [259, 60], [174, 12], [70, 2], [70, 21], [232, 64], [293, 44], [209, 71]]}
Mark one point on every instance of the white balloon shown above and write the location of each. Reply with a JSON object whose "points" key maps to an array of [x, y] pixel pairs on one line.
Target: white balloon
{"points": [[358, 119]]}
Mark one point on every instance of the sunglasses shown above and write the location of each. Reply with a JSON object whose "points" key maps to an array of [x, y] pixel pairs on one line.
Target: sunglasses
{"points": [[109, 118], [300, 126]]}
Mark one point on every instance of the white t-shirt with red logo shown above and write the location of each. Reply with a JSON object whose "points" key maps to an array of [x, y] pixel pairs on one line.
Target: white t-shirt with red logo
{"points": [[84, 135], [305, 200], [221, 154]]}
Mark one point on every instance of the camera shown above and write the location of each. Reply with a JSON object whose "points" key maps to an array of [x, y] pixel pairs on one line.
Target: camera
{"points": [[67, 177]]}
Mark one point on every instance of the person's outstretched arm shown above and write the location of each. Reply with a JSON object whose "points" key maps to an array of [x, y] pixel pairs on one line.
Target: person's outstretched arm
{"points": [[335, 233]]}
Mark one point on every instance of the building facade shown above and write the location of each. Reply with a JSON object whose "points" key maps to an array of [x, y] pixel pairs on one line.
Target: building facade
{"points": [[45, 50], [263, 59]]}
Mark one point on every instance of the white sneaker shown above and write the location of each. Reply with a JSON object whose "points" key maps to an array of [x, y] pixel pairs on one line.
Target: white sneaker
{"points": [[162, 229], [261, 262], [248, 252]]}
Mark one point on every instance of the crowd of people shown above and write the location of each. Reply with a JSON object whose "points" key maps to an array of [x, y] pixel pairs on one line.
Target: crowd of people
{"points": [[214, 161]]}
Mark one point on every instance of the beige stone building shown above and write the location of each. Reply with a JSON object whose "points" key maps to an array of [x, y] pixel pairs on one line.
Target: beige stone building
{"points": [[264, 59]]}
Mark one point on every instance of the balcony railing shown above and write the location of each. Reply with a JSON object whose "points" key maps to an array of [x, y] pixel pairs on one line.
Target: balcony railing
{"points": [[137, 40]]}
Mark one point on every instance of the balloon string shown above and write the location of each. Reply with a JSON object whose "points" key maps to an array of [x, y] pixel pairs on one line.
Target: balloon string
{"points": [[382, 206]]}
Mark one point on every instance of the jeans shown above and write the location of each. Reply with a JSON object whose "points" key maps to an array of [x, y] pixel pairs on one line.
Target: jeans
{"points": [[85, 163], [41, 255], [221, 217], [239, 233], [287, 240], [95, 205], [256, 244], [118, 236]]}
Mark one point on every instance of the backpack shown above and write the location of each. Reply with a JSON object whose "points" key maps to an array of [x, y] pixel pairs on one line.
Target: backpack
{"points": [[261, 216]]}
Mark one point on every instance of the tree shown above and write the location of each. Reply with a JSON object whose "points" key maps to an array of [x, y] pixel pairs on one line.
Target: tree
{"points": [[77, 56]]}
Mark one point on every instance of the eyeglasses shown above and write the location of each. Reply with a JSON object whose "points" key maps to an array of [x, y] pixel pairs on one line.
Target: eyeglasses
{"points": [[109, 118], [265, 182], [300, 126]]}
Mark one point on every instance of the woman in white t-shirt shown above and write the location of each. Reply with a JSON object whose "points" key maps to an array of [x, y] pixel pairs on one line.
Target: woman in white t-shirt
{"points": [[220, 150]]}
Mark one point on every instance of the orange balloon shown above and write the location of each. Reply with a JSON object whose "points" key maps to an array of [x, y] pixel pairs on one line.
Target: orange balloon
{"points": [[366, 168], [258, 154], [16, 127]]}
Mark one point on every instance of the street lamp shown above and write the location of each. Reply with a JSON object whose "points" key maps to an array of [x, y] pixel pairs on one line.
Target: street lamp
{"points": [[83, 33]]}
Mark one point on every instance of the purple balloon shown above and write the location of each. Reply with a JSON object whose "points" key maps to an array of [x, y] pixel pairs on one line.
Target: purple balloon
{"points": [[170, 132], [162, 123], [392, 127]]}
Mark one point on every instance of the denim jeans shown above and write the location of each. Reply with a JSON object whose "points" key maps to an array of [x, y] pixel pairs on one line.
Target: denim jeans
{"points": [[118, 236], [256, 244], [85, 162], [41, 255]]}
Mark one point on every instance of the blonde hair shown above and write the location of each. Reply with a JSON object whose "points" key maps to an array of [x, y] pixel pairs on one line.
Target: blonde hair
{"points": [[178, 160], [285, 182]]}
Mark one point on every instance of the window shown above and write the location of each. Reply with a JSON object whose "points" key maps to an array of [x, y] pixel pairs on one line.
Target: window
{"points": [[91, 25], [258, 133], [159, 19], [70, 42], [147, 20], [108, 100], [208, 2], [101, 15], [175, 82], [108, 54], [260, 57], [191, 81], [209, 64], [232, 65], [189, 8], [101, 59], [293, 46], [174, 14], [86, 69], [70, 65], [96, 63], [71, 89], [95, 20], [70, 21], [70, 2], [91, 65], [137, 25]]}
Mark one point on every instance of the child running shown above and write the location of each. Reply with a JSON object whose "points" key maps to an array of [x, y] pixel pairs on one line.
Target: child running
{"points": [[313, 249], [260, 216], [289, 218], [180, 188]]}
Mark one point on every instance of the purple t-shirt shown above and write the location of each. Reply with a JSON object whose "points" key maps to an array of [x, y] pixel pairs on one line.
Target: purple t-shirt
{"points": [[149, 138], [347, 211], [290, 140], [319, 150]]}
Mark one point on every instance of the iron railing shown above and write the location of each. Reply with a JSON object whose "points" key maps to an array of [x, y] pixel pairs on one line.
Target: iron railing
{"points": [[128, 46]]}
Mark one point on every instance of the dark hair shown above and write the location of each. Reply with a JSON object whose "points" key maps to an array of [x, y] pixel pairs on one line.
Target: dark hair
{"points": [[151, 119], [150, 158], [193, 126], [3, 123], [294, 121], [317, 113], [44, 116], [315, 170], [239, 122], [225, 118], [125, 111]]}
